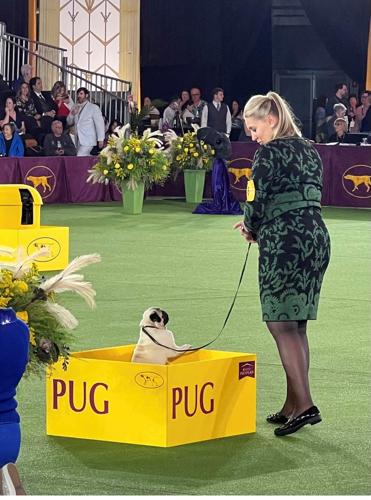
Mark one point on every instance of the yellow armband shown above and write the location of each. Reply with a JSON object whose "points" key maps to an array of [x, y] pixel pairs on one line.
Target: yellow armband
{"points": [[250, 190]]}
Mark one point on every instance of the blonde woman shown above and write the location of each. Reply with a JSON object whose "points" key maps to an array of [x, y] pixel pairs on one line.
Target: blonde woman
{"points": [[283, 215]]}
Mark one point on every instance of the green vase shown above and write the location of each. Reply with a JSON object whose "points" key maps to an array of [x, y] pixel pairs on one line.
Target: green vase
{"points": [[132, 199], [194, 182]]}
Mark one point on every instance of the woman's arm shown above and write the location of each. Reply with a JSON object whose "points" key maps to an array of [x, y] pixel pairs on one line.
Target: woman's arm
{"points": [[259, 188]]}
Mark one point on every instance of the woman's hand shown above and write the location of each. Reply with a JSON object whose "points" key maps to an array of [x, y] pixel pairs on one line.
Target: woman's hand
{"points": [[247, 235]]}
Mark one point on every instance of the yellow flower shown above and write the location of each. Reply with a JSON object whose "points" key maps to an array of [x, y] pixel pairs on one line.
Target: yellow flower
{"points": [[151, 151], [117, 166], [186, 150], [164, 167], [213, 151], [181, 139], [32, 337], [179, 146], [205, 147], [130, 166], [126, 149], [23, 315], [105, 171], [20, 286], [4, 301], [195, 154], [191, 145], [138, 150]]}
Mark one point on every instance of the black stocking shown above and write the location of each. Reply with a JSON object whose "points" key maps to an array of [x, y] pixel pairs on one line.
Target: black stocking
{"points": [[293, 349]]}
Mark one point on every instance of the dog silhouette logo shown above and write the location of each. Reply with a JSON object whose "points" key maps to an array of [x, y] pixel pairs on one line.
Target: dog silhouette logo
{"points": [[41, 178], [51, 244], [42, 181], [149, 380], [357, 181], [240, 172]]}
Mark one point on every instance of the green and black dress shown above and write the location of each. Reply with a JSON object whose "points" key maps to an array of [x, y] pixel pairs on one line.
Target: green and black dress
{"points": [[284, 215]]}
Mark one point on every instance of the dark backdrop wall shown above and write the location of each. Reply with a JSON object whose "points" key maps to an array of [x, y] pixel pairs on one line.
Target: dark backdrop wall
{"points": [[206, 43], [14, 13]]}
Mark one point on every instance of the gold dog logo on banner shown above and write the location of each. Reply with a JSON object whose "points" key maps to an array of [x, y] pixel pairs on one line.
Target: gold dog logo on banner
{"points": [[241, 169], [51, 244], [356, 181], [41, 178]]}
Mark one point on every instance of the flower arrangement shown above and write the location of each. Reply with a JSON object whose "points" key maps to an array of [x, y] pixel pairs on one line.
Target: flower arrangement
{"points": [[34, 300], [188, 152], [131, 160]]}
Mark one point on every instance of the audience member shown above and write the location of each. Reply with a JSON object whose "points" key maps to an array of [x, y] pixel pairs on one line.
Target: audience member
{"points": [[198, 105], [170, 114], [341, 127], [352, 108], [44, 103], [339, 111], [32, 118], [58, 143], [341, 91], [12, 115], [216, 114], [10, 143], [186, 114], [184, 97], [62, 100], [366, 121], [320, 124], [25, 77], [89, 123], [362, 109], [152, 114]]}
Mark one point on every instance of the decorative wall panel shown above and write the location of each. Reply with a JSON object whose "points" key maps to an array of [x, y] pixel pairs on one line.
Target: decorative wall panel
{"points": [[89, 30]]}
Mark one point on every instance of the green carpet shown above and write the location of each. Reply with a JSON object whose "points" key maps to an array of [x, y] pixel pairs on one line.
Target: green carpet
{"points": [[189, 265]]}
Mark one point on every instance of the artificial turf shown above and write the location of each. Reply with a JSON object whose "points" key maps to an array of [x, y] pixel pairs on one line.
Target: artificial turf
{"points": [[189, 265]]}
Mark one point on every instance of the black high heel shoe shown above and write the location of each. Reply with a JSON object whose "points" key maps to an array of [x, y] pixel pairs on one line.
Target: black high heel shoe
{"points": [[311, 416], [277, 418]]}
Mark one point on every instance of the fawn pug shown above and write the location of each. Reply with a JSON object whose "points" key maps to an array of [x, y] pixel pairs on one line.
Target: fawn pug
{"points": [[146, 351]]}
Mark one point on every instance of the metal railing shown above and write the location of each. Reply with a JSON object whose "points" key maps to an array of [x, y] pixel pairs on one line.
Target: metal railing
{"points": [[50, 64]]}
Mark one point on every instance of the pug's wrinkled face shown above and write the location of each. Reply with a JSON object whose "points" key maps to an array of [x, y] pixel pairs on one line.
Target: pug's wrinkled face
{"points": [[154, 316]]}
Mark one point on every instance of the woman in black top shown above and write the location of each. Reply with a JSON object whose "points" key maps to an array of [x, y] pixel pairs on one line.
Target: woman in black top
{"points": [[283, 215], [12, 115]]}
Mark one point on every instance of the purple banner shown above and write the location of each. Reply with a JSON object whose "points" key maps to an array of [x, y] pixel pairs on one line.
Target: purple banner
{"points": [[76, 170], [350, 176], [346, 173], [347, 176], [9, 173]]}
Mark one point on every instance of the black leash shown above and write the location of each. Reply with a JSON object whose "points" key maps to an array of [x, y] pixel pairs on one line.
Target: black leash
{"points": [[224, 324]]}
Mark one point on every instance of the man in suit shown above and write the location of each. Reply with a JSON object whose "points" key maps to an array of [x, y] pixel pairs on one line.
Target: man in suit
{"points": [[44, 104], [216, 114], [89, 123]]}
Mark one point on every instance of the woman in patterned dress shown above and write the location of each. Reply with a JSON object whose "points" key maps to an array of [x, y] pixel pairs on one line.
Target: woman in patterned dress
{"points": [[283, 215]]}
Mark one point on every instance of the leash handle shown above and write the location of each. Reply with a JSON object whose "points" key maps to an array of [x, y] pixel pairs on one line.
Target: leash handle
{"points": [[192, 349]]}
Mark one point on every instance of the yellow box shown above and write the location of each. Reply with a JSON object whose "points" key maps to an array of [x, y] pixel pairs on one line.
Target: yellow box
{"points": [[199, 396], [54, 237], [19, 206]]}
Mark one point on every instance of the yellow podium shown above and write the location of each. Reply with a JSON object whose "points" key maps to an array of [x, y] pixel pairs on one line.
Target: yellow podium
{"points": [[199, 396], [20, 227]]}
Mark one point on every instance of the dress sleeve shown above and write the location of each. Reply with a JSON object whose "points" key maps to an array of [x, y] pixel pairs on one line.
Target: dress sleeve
{"points": [[260, 184]]}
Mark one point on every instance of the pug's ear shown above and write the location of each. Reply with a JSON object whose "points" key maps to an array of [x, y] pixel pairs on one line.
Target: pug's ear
{"points": [[154, 317], [165, 317]]}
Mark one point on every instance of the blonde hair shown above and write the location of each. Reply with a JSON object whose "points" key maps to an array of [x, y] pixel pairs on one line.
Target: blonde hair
{"points": [[260, 106]]}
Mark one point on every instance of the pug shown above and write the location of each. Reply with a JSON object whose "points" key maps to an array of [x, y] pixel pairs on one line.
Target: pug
{"points": [[146, 351]]}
